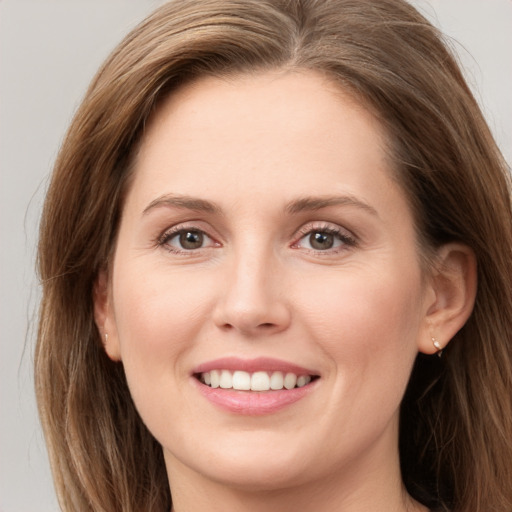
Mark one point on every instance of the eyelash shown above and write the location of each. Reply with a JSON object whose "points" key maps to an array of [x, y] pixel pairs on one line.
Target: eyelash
{"points": [[165, 238], [342, 235], [346, 238]]}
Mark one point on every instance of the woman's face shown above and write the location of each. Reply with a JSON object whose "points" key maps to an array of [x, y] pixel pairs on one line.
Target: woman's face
{"points": [[264, 239]]}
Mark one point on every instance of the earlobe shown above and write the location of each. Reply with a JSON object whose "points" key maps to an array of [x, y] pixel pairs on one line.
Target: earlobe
{"points": [[103, 316], [454, 284]]}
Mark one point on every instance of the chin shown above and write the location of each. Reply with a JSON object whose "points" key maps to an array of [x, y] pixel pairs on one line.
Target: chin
{"points": [[261, 465], [251, 477]]}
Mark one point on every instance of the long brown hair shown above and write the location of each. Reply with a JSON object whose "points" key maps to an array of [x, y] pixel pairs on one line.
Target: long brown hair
{"points": [[456, 417]]}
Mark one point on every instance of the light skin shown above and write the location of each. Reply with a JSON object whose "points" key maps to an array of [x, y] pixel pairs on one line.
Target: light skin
{"points": [[302, 248]]}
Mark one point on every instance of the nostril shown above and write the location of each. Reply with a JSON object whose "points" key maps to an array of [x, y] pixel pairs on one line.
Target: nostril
{"points": [[265, 326], [251, 318]]}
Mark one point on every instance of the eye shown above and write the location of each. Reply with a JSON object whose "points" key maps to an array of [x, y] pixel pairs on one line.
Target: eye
{"points": [[189, 239], [325, 239], [186, 239]]}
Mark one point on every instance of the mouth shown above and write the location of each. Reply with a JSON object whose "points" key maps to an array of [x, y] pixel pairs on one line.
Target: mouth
{"points": [[253, 387], [261, 380]]}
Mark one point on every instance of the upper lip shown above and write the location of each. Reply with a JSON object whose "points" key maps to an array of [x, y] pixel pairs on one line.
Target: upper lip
{"points": [[252, 365]]}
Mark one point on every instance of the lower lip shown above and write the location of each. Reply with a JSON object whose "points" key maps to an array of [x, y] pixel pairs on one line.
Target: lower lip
{"points": [[253, 403]]}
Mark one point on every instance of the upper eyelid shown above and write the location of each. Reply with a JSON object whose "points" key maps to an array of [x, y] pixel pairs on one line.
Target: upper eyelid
{"points": [[303, 230], [324, 226], [178, 228], [195, 225]]}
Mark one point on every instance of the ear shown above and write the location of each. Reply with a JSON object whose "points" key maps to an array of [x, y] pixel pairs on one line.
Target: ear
{"points": [[104, 316], [453, 283]]}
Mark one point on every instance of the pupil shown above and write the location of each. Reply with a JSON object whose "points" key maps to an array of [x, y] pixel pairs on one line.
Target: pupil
{"points": [[321, 240], [191, 239]]}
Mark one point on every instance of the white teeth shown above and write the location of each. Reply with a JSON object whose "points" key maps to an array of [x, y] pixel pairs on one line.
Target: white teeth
{"points": [[226, 379], [290, 380], [276, 380], [241, 381], [260, 381], [257, 381], [215, 378]]}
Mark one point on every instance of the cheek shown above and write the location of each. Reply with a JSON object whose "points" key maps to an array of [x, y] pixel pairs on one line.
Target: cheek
{"points": [[158, 316], [358, 300], [368, 325], [157, 303], [370, 329]]}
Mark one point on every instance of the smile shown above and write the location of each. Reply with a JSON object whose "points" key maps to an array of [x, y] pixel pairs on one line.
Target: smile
{"points": [[257, 381], [253, 387]]}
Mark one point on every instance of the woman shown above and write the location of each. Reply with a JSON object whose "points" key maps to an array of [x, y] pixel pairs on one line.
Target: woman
{"points": [[265, 221]]}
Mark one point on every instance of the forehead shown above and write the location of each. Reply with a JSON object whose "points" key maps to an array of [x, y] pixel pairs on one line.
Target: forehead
{"points": [[296, 98], [279, 123]]}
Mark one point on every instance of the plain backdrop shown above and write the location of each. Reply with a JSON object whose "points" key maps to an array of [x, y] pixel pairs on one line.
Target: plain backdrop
{"points": [[49, 50]]}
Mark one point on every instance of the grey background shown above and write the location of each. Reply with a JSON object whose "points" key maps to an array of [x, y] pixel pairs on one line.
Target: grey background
{"points": [[49, 50]]}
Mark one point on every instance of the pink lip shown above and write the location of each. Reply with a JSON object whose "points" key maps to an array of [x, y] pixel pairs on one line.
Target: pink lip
{"points": [[253, 403], [252, 365]]}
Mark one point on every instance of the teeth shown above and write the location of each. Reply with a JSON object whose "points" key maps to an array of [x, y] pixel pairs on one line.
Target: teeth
{"points": [[276, 380], [290, 380], [303, 380], [260, 381], [226, 379], [241, 380], [214, 378], [257, 381]]}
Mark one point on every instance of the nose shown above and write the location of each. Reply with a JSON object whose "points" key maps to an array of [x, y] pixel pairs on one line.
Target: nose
{"points": [[253, 296]]}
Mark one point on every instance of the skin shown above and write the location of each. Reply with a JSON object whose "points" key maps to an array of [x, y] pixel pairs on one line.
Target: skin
{"points": [[356, 313]]}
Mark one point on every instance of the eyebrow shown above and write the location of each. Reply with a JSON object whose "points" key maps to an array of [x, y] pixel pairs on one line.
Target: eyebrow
{"points": [[317, 203], [299, 205], [182, 202]]}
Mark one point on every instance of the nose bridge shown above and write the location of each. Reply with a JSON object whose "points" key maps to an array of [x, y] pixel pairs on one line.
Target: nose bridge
{"points": [[252, 298]]}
